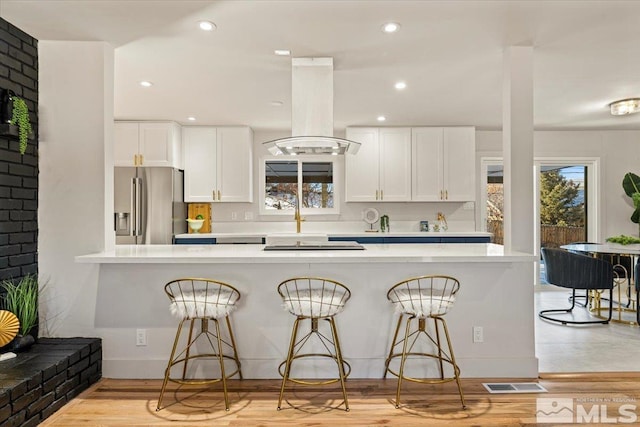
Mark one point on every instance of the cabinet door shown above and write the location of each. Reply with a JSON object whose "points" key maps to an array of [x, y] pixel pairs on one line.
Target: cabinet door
{"points": [[395, 164], [362, 169], [427, 173], [200, 164], [156, 144], [235, 164], [125, 143], [459, 164]]}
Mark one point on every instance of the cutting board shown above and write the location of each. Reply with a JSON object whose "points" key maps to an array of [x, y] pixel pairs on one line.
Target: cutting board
{"points": [[203, 209]]}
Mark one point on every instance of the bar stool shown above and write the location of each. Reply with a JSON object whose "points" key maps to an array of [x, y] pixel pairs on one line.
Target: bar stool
{"points": [[422, 298], [203, 300], [315, 299]]}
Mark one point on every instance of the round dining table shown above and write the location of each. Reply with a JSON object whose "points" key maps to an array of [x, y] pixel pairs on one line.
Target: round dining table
{"points": [[616, 250]]}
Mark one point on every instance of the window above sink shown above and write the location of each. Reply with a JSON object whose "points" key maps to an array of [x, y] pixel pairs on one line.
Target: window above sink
{"points": [[311, 180]]}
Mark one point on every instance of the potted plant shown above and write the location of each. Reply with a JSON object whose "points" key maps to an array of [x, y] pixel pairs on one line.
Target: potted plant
{"points": [[631, 186], [20, 118], [22, 300]]}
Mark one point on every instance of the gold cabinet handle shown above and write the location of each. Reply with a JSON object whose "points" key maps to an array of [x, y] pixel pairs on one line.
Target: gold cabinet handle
{"points": [[376, 194], [141, 159], [135, 160], [381, 195], [213, 194], [446, 194], [219, 196], [440, 194]]}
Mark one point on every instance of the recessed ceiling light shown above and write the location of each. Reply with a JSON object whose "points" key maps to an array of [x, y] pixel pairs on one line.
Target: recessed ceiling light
{"points": [[390, 27], [625, 106], [282, 52], [207, 25], [276, 103], [191, 119], [400, 85], [335, 153], [146, 83], [381, 118]]}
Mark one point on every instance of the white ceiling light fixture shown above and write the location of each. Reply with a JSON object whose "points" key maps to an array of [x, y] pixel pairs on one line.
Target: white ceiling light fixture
{"points": [[282, 52], [146, 83], [390, 27], [625, 106], [381, 118], [207, 25], [311, 112], [276, 103], [191, 119], [400, 85]]}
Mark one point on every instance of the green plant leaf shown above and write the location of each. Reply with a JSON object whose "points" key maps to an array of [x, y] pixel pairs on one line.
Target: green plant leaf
{"points": [[631, 184], [635, 218]]}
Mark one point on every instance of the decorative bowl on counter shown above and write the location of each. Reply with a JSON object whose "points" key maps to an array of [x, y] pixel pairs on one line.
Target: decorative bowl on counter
{"points": [[195, 224]]}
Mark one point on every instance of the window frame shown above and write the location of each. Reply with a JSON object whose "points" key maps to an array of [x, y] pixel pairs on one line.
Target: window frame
{"points": [[338, 166]]}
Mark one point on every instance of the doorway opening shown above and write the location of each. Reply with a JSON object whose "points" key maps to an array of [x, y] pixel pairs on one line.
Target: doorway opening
{"points": [[565, 202]]}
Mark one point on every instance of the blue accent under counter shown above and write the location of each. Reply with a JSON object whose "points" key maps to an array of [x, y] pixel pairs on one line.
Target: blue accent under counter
{"points": [[363, 239]]}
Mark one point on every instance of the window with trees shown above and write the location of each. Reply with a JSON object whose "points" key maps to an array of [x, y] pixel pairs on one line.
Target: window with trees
{"points": [[309, 183]]}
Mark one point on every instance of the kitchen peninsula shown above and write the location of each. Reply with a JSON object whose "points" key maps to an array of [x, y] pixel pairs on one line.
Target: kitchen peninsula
{"points": [[496, 294]]}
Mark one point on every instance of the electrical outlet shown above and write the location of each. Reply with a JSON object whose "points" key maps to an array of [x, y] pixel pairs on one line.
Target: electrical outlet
{"points": [[248, 216], [141, 337], [478, 334]]}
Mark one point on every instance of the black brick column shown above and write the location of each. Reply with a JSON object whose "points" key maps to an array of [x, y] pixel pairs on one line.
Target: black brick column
{"points": [[19, 173]]}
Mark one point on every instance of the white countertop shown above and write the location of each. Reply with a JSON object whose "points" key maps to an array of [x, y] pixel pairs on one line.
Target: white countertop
{"points": [[255, 254], [345, 234]]}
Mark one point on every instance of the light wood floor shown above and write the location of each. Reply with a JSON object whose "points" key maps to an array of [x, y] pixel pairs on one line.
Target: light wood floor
{"points": [[253, 403]]}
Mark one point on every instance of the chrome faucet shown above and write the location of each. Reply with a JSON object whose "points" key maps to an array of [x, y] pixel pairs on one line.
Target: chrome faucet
{"points": [[297, 216]]}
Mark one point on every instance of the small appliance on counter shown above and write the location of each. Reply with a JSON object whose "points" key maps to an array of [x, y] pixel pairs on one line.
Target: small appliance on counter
{"points": [[371, 216]]}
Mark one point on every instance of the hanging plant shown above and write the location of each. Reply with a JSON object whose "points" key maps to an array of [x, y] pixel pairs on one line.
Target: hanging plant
{"points": [[20, 118]]}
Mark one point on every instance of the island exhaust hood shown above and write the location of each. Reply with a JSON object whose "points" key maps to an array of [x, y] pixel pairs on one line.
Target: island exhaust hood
{"points": [[311, 112]]}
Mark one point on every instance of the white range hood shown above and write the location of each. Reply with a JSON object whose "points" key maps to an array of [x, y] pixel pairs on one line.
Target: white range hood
{"points": [[311, 112]]}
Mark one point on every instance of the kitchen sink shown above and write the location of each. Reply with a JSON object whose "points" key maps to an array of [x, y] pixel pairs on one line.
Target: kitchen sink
{"points": [[315, 246], [295, 238]]}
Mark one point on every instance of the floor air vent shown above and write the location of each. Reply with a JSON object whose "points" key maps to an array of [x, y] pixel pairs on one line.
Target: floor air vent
{"points": [[514, 388]]}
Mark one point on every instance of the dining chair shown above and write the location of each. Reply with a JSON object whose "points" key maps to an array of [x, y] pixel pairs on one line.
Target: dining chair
{"points": [[576, 271]]}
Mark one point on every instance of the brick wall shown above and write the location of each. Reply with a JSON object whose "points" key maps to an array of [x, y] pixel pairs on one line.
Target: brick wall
{"points": [[19, 173]]}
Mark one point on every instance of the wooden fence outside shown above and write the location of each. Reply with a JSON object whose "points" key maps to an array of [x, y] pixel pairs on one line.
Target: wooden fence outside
{"points": [[551, 236]]}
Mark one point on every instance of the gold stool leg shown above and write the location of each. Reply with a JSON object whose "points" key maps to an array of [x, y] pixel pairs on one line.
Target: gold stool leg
{"points": [[168, 370], [233, 344], [456, 369], [435, 326], [393, 345], [338, 349], [186, 358], [403, 358], [221, 359], [287, 366]]}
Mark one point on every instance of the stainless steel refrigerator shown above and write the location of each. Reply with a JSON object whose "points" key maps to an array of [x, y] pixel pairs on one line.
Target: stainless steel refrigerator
{"points": [[149, 205]]}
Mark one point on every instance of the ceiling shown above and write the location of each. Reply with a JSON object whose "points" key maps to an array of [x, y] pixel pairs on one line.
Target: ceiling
{"points": [[586, 55]]}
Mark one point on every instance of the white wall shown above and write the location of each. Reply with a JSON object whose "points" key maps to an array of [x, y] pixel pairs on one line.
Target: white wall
{"points": [[75, 187], [618, 151]]}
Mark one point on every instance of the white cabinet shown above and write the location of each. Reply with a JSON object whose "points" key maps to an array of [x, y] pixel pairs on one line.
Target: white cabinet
{"points": [[443, 164], [381, 170], [147, 144], [218, 164]]}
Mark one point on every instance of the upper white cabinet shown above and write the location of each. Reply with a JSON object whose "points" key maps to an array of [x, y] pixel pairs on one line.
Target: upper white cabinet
{"points": [[218, 164], [381, 170], [443, 164], [147, 144]]}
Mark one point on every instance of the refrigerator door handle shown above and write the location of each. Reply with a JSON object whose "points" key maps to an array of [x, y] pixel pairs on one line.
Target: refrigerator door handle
{"points": [[137, 219]]}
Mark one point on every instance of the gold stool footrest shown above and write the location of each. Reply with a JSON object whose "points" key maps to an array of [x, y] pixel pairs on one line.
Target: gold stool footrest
{"points": [[203, 381], [315, 382], [425, 380]]}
